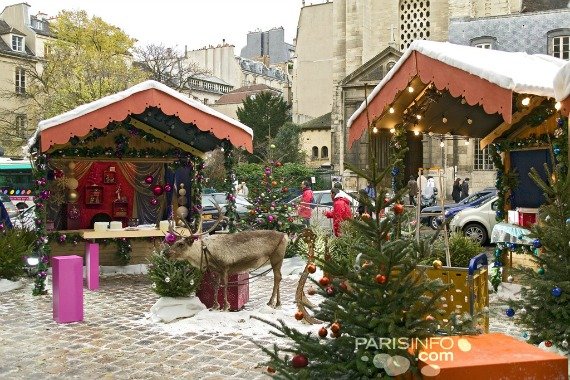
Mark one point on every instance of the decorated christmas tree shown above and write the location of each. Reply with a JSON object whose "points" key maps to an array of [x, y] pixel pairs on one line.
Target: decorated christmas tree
{"points": [[544, 307], [269, 210], [375, 309]]}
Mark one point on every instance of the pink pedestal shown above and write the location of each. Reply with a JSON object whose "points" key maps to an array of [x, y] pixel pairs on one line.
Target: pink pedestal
{"points": [[92, 265], [238, 290], [67, 287]]}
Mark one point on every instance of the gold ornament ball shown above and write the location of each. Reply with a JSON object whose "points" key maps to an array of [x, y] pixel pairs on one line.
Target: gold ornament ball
{"points": [[437, 264], [71, 165], [182, 212], [71, 183], [182, 201], [182, 192], [72, 196]]}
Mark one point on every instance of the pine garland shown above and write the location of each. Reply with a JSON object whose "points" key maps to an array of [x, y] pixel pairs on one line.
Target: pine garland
{"points": [[228, 188]]}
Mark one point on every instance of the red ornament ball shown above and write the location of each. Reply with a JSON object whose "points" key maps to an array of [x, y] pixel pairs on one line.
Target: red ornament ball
{"points": [[299, 315], [380, 278], [157, 190], [149, 179], [548, 343], [299, 361], [270, 369], [398, 208], [330, 290], [324, 281], [335, 327], [170, 238], [323, 332], [311, 268], [153, 201]]}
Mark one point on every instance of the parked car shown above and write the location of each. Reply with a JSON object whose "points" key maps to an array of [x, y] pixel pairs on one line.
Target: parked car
{"points": [[10, 208], [476, 222], [427, 218], [324, 201], [210, 212]]}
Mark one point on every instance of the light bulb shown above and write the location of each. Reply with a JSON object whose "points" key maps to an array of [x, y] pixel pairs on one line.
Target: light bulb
{"points": [[558, 105], [469, 121], [466, 141], [526, 101], [442, 144], [375, 130], [391, 110], [419, 117], [417, 133], [410, 89], [444, 120], [392, 130]]}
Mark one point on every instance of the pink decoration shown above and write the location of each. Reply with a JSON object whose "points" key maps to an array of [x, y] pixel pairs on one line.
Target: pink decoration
{"points": [[157, 190], [58, 173], [270, 218], [170, 238], [67, 288], [149, 179], [168, 188], [92, 265], [154, 201]]}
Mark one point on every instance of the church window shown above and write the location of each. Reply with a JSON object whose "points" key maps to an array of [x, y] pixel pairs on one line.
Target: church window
{"points": [[414, 21]]}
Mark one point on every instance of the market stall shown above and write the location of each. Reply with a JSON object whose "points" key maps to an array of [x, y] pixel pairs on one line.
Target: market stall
{"points": [[126, 161], [506, 99]]}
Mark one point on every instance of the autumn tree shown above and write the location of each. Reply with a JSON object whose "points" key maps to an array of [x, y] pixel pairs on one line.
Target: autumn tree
{"points": [[87, 59], [167, 65], [265, 113]]}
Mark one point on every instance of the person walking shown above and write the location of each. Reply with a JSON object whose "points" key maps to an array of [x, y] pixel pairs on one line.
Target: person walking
{"points": [[341, 210], [413, 190], [305, 210], [465, 188], [370, 190], [456, 192]]}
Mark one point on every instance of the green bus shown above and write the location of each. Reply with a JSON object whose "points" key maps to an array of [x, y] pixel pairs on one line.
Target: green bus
{"points": [[16, 181]]}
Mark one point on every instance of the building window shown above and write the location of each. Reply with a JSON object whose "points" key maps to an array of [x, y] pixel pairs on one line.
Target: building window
{"points": [[315, 153], [484, 42], [324, 152], [21, 125], [561, 47], [17, 43], [559, 43], [414, 21], [482, 159], [20, 80]]}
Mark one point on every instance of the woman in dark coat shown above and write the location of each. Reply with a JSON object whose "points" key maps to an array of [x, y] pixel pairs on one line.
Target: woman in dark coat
{"points": [[456, 193]]}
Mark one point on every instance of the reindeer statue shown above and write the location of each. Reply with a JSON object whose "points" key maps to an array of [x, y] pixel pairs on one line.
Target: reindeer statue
{"points": [[226, 254]]}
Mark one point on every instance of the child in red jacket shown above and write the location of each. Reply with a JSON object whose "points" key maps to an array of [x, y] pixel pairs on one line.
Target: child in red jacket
{"points": [[340, 211]]}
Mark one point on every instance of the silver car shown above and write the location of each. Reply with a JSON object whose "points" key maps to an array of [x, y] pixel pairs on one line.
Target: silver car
{"points": [[10, 208]]}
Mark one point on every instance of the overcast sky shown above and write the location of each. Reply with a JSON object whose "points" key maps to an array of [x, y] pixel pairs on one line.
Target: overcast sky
{"points": [[195, 23]]}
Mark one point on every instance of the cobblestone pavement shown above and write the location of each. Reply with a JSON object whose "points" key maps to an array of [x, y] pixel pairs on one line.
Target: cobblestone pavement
{"points": [[111, 344]]}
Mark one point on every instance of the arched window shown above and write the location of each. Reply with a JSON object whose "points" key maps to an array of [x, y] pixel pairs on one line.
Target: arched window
{"points": [[484, 42], [324, 152], [315, 152], [414, 21]]}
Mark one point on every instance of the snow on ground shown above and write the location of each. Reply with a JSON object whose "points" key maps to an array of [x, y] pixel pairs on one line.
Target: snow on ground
{"points": [[242, 322], [7, 285]]}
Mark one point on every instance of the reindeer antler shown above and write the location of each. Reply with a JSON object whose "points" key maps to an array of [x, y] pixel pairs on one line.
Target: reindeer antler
{"points": [[216, 223]]}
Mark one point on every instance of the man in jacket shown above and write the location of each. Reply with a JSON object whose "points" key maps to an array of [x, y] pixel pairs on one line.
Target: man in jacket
{"points": [[305, 210], [341, 210], [465, 188]]}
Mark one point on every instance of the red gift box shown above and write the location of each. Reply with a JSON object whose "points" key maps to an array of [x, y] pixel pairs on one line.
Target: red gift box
{"points": [[527, 216], [238, 290]]}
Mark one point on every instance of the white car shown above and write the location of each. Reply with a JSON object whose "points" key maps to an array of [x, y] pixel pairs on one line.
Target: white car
{"points": [[324, 202], [476, 222]]}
